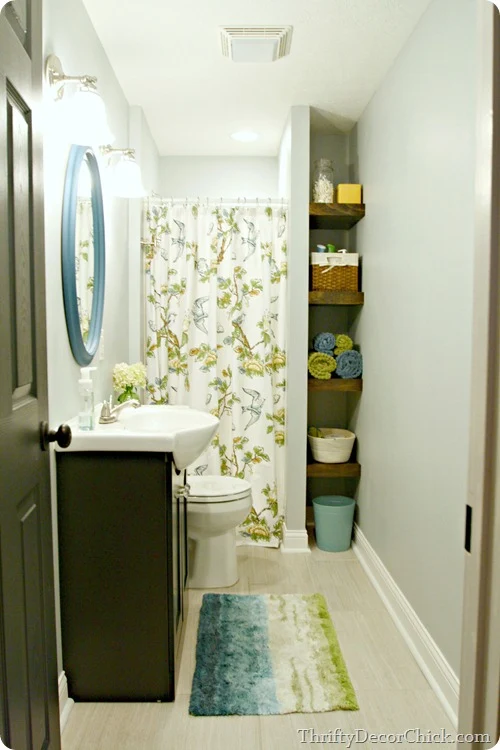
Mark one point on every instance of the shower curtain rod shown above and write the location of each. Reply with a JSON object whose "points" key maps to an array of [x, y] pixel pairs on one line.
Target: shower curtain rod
{"points": [[224, 201]]}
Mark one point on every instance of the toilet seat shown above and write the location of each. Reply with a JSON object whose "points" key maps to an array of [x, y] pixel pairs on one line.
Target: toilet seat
{"points": [[216, 489]]}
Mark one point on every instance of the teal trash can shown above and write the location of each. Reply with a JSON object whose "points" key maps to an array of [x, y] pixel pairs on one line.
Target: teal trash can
{"points": [[333, 519]]}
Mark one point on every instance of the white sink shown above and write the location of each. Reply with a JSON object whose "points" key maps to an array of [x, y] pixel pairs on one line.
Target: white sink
{"points": [[180, 430]]}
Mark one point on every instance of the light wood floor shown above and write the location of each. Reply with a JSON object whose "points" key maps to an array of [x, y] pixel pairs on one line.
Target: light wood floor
{"points": [[392, 692]]}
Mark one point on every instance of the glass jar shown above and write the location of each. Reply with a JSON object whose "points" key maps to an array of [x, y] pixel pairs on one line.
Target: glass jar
{"points": [[323, 181]]}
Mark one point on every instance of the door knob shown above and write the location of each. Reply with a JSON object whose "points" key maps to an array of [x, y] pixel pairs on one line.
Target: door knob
{"points": [[62, 436]]}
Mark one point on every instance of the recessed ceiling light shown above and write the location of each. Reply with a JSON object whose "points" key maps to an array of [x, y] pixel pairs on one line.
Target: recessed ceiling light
{"points": [[245, 136]]}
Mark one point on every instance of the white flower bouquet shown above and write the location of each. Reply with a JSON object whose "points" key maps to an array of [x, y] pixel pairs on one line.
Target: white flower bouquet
{"points": [[127, 378]]}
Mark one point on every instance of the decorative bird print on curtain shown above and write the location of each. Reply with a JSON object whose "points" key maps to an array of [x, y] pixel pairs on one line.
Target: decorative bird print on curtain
{"points": [[251, 239], [179, 241], [199, 313], [255, 407]]}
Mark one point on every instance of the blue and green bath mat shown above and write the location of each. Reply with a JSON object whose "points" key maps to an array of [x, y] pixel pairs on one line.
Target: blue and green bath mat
{"points": [[268, 654]]}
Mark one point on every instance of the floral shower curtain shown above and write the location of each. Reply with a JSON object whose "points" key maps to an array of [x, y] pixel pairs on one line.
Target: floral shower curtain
{"points": [[215, 314]]}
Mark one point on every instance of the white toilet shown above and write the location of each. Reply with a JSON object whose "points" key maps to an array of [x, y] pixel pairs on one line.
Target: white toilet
{"points": [[216, 506]]}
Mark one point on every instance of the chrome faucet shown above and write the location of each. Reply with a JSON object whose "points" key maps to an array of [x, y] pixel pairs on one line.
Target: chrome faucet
{"points": [[109, 412]]}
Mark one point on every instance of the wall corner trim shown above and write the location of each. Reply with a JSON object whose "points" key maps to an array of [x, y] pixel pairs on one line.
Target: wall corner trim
{"points": [[295, 541], [65, 702], [427, 654]]}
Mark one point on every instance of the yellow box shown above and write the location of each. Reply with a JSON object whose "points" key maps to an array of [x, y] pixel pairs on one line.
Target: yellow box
{"points": [[349, 194]]}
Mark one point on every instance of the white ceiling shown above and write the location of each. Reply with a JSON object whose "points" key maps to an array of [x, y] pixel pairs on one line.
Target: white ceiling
{"points": [[168, 60]]}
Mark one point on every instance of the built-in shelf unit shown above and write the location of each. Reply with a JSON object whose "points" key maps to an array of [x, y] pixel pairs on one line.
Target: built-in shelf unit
{"points": [[333, 217]]}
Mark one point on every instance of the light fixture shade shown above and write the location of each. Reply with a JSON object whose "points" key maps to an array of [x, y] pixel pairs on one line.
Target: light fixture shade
{"points": [[2, 3], [126, 181], [85, 119]]}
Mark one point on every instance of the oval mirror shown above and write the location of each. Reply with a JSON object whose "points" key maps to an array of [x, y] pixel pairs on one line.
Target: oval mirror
{"points": [[83, 253]]}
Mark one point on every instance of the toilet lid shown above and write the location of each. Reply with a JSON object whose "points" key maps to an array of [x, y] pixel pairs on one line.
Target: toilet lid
{"points": [[216, 489]]}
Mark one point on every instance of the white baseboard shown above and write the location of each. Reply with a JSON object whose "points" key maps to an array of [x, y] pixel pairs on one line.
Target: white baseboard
{"points": [[65, 702], [295, 541], [429, 657]]}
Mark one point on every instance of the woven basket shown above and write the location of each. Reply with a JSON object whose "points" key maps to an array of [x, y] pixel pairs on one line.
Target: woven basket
{"points": [[335, 447], [334, 278]]}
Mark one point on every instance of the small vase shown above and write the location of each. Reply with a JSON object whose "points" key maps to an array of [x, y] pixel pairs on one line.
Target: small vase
{"points": [[128, 394]]}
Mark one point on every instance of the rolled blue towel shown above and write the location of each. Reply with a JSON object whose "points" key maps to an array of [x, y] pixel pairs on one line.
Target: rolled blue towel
{"points": [[350, 364], [324, 342]]}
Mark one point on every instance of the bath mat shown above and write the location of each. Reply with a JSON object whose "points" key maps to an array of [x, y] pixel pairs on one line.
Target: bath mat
{"points": [[268, 654]]}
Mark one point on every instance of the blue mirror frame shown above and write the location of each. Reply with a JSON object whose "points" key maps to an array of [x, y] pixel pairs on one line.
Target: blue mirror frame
{"points": [[83, 352]]}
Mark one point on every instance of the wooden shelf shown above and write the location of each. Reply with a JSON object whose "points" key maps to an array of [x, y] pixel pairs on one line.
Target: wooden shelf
{"points": [[336, 384], [351, 469], [335, 215], [336, 298]]}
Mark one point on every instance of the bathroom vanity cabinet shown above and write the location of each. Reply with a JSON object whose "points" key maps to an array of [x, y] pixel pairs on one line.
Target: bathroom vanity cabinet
{"points": [[123, 573]]}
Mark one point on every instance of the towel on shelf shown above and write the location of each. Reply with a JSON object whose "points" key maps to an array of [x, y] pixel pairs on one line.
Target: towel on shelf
{"points": [[321, 365], [344, 343], [324, 342], [350, 364], [315, 432]]}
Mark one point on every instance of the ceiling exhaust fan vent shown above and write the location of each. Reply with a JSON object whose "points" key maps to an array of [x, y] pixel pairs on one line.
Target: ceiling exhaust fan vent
{"points": [[255, 44]]}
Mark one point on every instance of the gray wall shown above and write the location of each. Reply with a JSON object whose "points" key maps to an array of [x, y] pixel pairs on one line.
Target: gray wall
{"points": [[294, 185], [69, 34], [145, 150], [148, 157], [415, 153], [218, 177]]}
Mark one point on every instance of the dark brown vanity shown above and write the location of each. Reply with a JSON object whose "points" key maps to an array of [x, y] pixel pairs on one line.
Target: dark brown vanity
{"points": [[123, 572]]}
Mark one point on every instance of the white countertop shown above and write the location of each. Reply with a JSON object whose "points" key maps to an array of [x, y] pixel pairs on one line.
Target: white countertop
{"points": [[180, 430]]}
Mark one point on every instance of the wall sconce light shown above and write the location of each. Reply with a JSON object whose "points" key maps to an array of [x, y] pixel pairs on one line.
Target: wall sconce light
{"points": [[125, 181], [84, 114]]}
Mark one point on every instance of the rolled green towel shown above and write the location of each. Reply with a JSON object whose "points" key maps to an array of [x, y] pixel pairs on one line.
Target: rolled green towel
{"points": [[343, 342], [314, 432], [321, 365]]}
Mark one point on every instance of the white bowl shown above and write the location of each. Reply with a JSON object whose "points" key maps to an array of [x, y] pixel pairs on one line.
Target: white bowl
{"points": [[335, 448]]}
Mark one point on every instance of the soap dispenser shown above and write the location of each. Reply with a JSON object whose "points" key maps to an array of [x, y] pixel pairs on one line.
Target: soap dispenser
{"points": [[86, 390]]}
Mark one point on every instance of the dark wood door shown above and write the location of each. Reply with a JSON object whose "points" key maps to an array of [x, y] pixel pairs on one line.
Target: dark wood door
{"points": [[28, 666]]}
